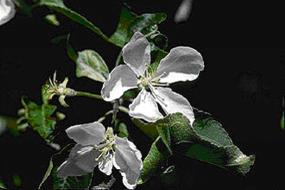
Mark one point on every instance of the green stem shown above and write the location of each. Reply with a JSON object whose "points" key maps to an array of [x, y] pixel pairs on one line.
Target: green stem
{"points": [[89, 95], [101, 119], [121, 108], [96, 96], [124, 109], [119, 58], [152, 32]]}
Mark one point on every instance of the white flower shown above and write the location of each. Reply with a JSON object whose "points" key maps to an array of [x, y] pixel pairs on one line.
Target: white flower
{"points": [[99, 147], [7, 11], [181, 64]]}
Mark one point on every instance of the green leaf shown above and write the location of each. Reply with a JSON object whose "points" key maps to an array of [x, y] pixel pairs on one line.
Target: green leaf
{"points": [[206, 141], [172, 129], [149, 129], [147, 23], [179, 128], [155, 158], [130, 22], [51, 18], [40, 117], [47, 174], [212, 144], [58, 6], [64, 39], [90, 64], [61, 39], [122, 34], [122, 130], [164, 133], [158, 54], [17, 181], [78, 182], [2, 185], [177, 123], [211, 131], [238, 161], [206, 154], [131, 94], [70, 51], [24, 7], [160, 41]]}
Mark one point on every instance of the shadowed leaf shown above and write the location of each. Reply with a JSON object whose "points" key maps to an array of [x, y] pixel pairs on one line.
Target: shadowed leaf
{"points": [[58, 6], [90, 64]]}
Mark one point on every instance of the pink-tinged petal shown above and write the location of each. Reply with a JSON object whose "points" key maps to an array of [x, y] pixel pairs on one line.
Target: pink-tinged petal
{"points": [[136, 53], [7, 11], [87, 134], [172, 102], [181, 64], [145, 107], [121, 79], [128, 160]]}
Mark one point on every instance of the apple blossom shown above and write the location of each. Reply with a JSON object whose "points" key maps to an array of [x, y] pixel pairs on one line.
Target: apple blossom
{"points": [[99, 147], [181, 64]]}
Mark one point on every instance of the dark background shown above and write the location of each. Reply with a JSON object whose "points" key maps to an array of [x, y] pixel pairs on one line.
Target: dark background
{"points": [[242, 84]]}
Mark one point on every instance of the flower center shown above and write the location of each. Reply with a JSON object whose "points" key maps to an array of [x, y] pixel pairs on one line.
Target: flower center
{"points": [[144, 82], [107, 147]]}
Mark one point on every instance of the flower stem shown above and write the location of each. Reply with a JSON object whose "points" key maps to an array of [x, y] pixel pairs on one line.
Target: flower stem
{"points": [[121, 108], [96, 96], [119, 58], [152, 32], [101, 119], [124, 109], [89, 95]]}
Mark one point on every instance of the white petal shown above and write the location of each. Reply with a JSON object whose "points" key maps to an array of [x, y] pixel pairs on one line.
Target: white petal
{"points": [[87, 134], [106, 164], [68, 168], [81, 161], [128, 160], [181, 64], [126, 183], [7, 11], [171, 102], [136, 53], [121, 79], [145, 107], [85, 158]]}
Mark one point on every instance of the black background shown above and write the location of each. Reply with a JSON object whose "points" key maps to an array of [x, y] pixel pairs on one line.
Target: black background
{"points": [[242, 84]]}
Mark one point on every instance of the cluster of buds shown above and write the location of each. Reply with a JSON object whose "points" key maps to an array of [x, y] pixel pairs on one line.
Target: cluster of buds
{"points": [[54, 88]]}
